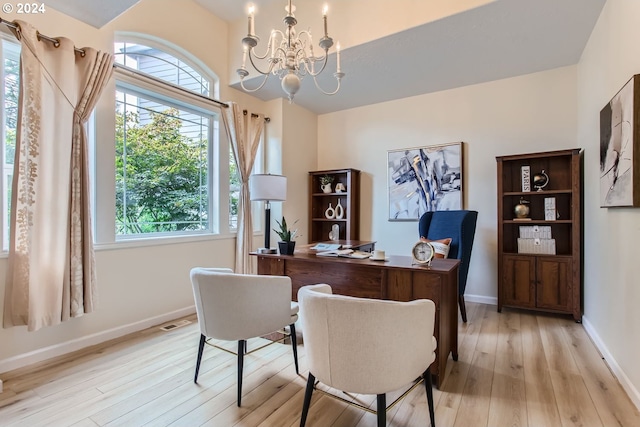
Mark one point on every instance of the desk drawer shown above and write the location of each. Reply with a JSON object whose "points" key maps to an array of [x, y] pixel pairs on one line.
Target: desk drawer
{"points": [[345, 279]]}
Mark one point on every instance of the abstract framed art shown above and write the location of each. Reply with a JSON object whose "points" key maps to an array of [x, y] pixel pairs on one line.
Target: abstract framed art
{"points": [[619, 152], [424, 179]]}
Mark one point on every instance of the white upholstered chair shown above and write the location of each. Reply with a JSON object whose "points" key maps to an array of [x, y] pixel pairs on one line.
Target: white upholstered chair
{"points": [[366, 346], [236, 307]]}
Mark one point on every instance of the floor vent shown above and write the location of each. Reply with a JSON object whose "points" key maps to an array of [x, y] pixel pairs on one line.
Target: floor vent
{"points": [[175, 325]]}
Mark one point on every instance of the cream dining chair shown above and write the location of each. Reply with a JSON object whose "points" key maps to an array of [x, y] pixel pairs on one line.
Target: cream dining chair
{"points": [[366, 346], [236, 307]]}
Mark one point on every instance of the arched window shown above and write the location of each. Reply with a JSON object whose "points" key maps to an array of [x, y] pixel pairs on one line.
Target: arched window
{"points": [[162, 65], [168, 155]]}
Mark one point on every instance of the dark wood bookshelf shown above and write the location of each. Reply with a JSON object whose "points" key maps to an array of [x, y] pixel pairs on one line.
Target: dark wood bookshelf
{"points": [[551, 281], [349, 224]]}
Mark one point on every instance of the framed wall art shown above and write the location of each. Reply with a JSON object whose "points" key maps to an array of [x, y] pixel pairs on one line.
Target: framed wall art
{"points": [[619, 152], [424, 179]]}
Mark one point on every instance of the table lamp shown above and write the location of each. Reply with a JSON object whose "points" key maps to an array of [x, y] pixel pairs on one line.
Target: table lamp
{"points": [[267, 188]]}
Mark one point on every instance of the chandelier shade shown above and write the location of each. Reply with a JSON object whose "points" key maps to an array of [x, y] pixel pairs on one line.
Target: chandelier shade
{"points": [[289, 55]]}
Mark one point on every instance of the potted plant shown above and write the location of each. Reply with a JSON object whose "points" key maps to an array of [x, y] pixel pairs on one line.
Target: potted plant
{"points": [[286, 245], [325, 183]]}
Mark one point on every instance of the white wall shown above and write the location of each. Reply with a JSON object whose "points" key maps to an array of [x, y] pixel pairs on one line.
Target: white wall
{"points": [[536, 112], [138, 285], [299, 157], [612, 291]]}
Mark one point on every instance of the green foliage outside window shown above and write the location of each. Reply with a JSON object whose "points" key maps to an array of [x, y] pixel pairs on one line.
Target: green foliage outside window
{"points": [[161, 175]]}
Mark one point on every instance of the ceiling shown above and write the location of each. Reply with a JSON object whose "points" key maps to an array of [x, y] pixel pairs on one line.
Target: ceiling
{"points": [[502, 39]]}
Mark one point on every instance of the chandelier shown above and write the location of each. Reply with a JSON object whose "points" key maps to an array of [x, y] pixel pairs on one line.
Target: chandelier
{"points": [[289, 55]]}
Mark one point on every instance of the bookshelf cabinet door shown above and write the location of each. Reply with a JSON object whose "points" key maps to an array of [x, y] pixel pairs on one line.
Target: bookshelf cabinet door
{"points": [[554, 284], [519, 281]]}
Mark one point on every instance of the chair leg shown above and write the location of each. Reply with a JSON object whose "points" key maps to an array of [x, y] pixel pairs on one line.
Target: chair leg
{"points": [[428, 384], [463, 309], [381, 410], [294, 345], [307, 399], [242, 345], [200, 350]]}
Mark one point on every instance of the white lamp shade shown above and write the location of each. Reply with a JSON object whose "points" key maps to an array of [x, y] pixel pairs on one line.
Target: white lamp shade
{"points": [[268, 187]]}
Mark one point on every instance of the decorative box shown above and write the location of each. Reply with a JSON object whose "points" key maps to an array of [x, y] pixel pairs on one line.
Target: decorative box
{"points": [[537, 246], [535, 231]]}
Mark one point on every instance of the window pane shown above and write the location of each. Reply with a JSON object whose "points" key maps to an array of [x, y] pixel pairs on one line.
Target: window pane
{"points": [[234, 191], [161, 65], [11, 87], [162, 159], [11, 91]]}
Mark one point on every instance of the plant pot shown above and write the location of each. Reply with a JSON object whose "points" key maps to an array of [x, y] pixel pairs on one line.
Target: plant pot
{"points": [[286, 248]]}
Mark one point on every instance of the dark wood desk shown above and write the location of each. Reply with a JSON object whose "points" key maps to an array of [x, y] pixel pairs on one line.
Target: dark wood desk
{"points": [[396, 279]]}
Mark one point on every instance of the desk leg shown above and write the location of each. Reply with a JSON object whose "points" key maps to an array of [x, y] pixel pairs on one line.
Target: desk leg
{"points": [[454, 321]]}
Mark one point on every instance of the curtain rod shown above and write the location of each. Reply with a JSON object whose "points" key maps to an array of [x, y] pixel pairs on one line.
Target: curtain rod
{"points": [[56, 42], [138, 74], [266, 119], [141, 75]]}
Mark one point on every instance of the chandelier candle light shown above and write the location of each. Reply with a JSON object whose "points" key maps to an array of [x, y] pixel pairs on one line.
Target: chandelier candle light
{"points": [[289, 55]]}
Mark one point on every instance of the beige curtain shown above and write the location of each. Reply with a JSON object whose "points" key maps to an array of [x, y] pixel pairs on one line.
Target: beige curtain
{"points": [[51, 274], [244, 132]]}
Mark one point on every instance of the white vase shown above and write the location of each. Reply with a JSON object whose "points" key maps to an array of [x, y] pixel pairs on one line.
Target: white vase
{"points": [[330, 213], [326, 188], [339, 210]]}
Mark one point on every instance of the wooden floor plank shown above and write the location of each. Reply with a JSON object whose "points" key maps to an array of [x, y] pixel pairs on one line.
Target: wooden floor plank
{"points": [[453, 384], [265, 384], [163, 397], [228, 389], [508, 404], [515, 369], [542, 409], [476, 395], [488, 342], [86, 422], [556, 347], [271, 405], [574, 402], [613, 405]]}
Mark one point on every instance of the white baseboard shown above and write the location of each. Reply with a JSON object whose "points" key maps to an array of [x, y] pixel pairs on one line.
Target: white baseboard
{"points": [[627, 385], [45, 353], [481, 299]]}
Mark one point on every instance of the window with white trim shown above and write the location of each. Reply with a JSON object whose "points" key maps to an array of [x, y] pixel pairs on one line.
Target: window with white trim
{"points": [[171, 166]]}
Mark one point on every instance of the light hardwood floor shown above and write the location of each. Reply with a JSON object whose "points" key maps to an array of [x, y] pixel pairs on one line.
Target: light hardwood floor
{"points": [[515, 369]]}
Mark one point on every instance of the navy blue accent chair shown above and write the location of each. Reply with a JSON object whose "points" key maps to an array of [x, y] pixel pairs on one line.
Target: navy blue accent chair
{"points": [[461, 227]]}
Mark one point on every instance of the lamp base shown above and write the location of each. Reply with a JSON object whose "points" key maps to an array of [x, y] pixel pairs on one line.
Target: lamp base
{"points": [[267, 250]]}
